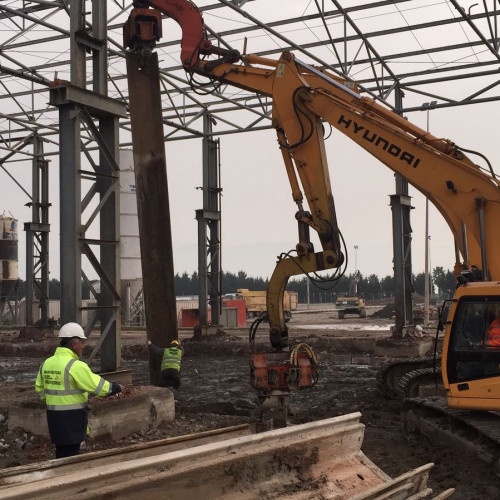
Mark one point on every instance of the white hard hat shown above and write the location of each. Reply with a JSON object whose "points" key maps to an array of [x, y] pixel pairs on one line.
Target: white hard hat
{"points": [[71, 330]]}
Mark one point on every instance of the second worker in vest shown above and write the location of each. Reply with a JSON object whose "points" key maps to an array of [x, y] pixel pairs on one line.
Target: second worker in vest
{"points": [[64, 382], [170, 364]]}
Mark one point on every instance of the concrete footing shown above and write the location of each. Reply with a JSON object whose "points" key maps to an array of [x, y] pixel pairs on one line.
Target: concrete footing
{"points": [[204, 331], [407, 347], [115, 417], [123, 377]]}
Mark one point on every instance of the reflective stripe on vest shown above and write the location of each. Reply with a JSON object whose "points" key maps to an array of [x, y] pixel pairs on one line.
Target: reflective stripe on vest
{"points": [[171, 358], [65, 398], [41, 394], [99, 387]]}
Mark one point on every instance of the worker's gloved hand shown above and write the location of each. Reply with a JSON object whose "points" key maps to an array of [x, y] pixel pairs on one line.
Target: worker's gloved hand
{"points": [[116, 388], [148, 342]]}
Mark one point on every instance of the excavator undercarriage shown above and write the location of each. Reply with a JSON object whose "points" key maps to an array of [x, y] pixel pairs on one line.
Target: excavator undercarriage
{"points": [[418, 384], [402, 378]]}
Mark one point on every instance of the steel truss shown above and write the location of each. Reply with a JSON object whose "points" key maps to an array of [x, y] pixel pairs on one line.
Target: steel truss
{"points": [[416, 47]]}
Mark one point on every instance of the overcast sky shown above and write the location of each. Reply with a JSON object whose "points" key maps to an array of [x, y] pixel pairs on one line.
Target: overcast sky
{"points": [[257, 209]]}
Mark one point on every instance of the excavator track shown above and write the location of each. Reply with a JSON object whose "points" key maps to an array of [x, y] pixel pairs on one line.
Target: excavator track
{"points": [[390, 375], [476, 433], [411, 384]]}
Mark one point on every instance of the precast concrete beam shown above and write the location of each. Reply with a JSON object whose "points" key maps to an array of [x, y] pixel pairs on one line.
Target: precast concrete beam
{"points": [[313, 460], [153, 209], [31, 473]]}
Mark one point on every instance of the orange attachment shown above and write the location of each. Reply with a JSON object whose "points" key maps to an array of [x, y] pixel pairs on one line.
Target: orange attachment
{"points": [[142, 27], [270, 371]]}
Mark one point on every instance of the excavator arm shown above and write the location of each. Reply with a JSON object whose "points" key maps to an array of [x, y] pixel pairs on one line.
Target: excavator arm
{"points": [[303, 150], [304, 97], [467, 196]]}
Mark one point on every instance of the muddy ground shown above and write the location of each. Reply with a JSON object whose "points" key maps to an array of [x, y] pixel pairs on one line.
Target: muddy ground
{"points": [[215, 393]]}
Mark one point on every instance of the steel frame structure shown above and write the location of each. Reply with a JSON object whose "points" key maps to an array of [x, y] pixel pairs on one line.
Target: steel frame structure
{"points": [[387, 46]]}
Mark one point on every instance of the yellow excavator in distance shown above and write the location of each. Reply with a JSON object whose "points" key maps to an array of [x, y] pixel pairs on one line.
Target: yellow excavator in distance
{"points": [[467, 196], [351, 302]]}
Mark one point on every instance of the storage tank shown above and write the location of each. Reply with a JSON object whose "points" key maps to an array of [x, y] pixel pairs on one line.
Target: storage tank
{"points": [[130, 251], [9, 265]]}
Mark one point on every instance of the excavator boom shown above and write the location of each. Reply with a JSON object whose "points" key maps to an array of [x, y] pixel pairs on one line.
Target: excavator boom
{"points": [[304, 97]]}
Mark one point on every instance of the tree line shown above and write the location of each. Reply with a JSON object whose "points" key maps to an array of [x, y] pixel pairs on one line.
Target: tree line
{"points": [[441, 286]]}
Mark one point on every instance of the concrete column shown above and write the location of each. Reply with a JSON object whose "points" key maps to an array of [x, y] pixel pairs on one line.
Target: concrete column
{"points": [[152, 203]]}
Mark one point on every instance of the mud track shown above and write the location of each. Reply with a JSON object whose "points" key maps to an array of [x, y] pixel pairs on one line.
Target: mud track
{"points": [[215, 393]]}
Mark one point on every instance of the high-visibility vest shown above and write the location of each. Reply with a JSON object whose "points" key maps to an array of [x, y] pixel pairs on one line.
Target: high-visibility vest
{"points": [[171, 358], [64, 381], [494, 333]]}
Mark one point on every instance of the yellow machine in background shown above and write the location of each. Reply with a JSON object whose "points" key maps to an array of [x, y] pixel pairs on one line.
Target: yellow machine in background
{"points": [[345, 304], [351, 303], [255, 301]]}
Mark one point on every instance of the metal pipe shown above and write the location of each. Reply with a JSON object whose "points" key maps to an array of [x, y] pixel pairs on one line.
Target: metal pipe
{"points": [[480, 203], [465, 248]]}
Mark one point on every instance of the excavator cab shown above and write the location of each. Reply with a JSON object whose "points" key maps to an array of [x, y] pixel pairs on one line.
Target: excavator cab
{"points": [[471, 354]]}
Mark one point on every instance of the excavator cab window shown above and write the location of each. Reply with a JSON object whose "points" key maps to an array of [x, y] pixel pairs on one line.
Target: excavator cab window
{"points": [[475, 340]]}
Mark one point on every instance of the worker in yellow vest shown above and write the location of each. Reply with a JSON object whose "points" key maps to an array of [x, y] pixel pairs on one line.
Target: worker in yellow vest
{"points": [[64, 382], [170, 364]]}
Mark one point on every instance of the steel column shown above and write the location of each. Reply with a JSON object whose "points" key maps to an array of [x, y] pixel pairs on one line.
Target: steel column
{"points": [[401, 234], [70, 213], [30, 273], [77, 50], [209, 229], [78, 107], [480, 204], [37, 237], [99, 47], [110, 248], [202, 268], [400, 205]]}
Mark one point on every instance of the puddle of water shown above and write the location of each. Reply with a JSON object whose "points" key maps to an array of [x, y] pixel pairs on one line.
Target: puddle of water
{"points": [[350, 327], [18, 369]]}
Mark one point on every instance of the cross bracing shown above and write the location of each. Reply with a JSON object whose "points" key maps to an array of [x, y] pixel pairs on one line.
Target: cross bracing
{"points": [[418, 45]]}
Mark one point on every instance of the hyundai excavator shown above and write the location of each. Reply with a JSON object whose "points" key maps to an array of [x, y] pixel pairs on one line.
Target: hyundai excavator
{"points": [[466, 194]]}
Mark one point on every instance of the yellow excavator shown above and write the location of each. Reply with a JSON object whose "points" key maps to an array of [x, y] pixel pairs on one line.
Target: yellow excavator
{"points": [[466, 194]]}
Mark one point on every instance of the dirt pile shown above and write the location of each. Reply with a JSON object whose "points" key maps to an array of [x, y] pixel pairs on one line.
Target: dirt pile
{"points": [[388, 311], [31, 333]]}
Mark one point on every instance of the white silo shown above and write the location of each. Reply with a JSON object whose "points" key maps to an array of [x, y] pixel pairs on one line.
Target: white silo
{"points": [[130, 251], [9, 264]]}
